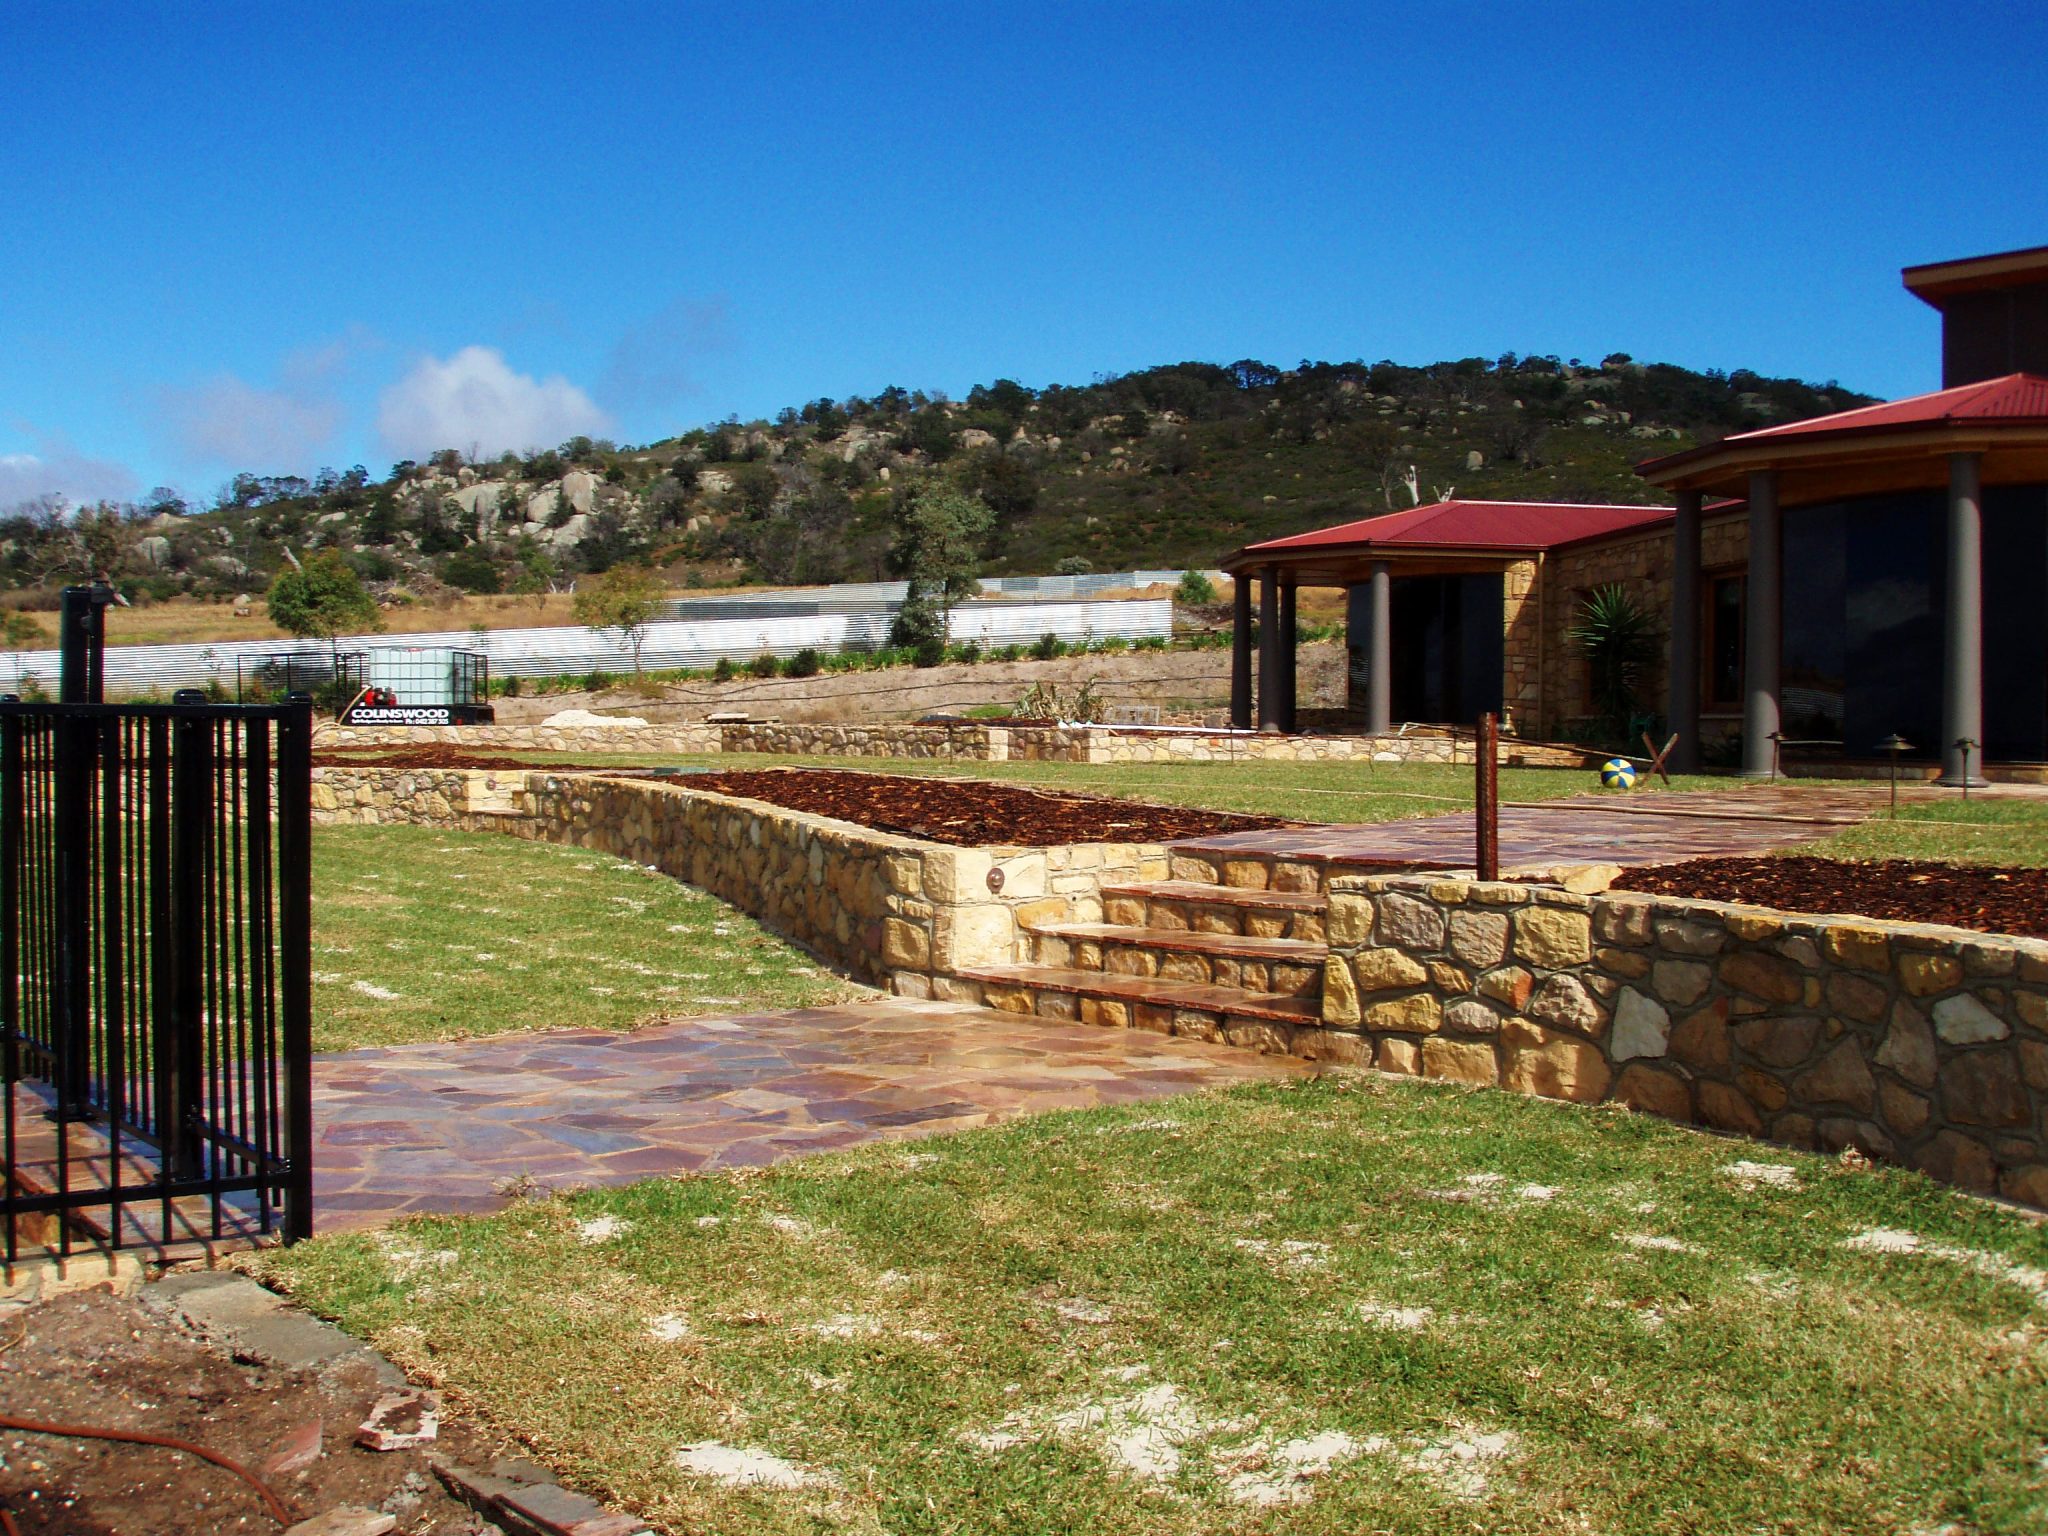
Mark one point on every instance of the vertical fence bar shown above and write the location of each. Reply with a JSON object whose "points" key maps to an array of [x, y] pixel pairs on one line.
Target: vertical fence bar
{"points": [[185, 1056], [12, 793], [295, 956], [71, 978], [262, 1064], [113, 1010]]}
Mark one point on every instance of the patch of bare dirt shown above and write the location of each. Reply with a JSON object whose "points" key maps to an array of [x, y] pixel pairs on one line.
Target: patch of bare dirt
{"points": [[93, 1359], [1990, 900]]}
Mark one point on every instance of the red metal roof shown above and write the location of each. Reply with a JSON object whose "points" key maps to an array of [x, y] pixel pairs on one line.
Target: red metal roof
{"points": [[2015, 397], [1474, 524]]}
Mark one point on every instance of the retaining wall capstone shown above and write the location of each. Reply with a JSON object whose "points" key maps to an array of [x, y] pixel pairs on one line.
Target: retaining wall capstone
{"points": [[967, 741], [1915, 1044]]}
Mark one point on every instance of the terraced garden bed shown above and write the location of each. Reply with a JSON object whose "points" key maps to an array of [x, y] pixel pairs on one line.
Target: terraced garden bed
{"points": [[1986, 898]]}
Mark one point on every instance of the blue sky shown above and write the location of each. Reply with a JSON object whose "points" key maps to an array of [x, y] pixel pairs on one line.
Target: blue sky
{"points": [[273, 237]]}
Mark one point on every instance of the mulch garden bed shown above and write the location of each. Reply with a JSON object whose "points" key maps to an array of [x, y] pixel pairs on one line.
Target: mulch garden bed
{"points": [[1986, 898], [971, 813]]}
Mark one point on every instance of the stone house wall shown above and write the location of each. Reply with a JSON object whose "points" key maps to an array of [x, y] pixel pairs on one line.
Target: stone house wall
{"points": [[1641, 562], [1919, 1045]]}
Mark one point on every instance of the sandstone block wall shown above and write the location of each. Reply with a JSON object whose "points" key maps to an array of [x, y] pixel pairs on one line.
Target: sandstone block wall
{"points": [[966, 742], [1919, 1045], [894, 911]]}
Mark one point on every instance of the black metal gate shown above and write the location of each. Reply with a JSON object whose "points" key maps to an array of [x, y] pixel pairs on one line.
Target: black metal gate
{"points": [[155, 981]]}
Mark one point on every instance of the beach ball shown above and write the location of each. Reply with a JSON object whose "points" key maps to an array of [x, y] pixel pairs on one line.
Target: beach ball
{"points": [[1617, 773]]}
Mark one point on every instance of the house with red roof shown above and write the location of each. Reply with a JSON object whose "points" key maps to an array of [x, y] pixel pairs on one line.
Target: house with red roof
{"points": [[1837, 581]]}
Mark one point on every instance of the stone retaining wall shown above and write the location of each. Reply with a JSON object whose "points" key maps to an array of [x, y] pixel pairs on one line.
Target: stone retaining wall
{"points": [[968, 741], [1920, 1045], [897, 912]]}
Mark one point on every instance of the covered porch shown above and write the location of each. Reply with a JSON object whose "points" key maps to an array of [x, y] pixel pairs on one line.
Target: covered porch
{"points": [[1886, 511], [1444, 609]]}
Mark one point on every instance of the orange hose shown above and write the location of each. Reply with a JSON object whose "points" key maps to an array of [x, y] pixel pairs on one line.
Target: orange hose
{"points": [[282, 1515]]}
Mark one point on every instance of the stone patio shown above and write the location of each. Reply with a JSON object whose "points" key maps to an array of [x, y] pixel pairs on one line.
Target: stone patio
{"points": [[1583, 829], [444, 1128]]}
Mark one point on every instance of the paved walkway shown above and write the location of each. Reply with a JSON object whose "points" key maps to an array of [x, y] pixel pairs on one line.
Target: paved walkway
{"points": [[443, 1127], [1583, 829]]}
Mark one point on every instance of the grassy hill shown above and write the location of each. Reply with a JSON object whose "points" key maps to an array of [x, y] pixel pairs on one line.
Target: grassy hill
{"points": [[1170, 466]]}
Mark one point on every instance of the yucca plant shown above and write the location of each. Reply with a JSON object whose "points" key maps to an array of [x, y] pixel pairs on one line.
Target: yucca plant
{"points": [[1620, 640]]}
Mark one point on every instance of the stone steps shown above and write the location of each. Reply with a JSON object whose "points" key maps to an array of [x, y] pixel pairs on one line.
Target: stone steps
{"points": [[1269, 1022], [1293, 967], [1209, 908]]}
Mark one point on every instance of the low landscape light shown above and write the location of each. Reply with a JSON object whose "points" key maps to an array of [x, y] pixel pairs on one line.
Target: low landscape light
{"points": [[1895, 744]]}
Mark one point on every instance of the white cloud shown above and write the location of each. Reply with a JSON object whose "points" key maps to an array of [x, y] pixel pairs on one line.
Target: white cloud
{"points": [[55, 468], [227, 420], [474, 401]]}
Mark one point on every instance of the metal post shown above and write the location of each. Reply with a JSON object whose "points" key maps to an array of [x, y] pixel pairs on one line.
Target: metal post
{"points": [[1379, 677], [1269, 651], [183, 1053], [1486, 796], [1962, 676], [295, 958], [1761, 630], [1684, 680], [1289, 645], [1240, 652]]}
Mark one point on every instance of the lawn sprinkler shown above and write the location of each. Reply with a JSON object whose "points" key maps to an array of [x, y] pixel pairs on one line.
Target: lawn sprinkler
{"points": [[1617, 773]]}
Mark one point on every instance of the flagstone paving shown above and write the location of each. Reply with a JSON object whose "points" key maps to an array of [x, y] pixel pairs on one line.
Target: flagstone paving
{"points": [[453, 1127], [1583, 829]]}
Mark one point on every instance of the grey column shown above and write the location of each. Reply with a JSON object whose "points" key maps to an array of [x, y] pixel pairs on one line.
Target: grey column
{"points": [[1269, 651], [1762, 604], [1241, 652], [1288, 657], [1379, 677], [1684, 669], [1962, 673]]}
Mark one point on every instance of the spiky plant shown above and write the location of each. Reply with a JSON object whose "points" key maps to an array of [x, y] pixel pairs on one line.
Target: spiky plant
{"points": [[1620, 640]]}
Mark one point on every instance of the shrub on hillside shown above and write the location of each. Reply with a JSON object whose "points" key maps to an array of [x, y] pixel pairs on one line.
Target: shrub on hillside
{"points": [[767, 664], [805, 663]]}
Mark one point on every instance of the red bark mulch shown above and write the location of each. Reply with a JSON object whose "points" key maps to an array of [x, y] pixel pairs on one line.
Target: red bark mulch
{"points": [[971, 813], [1988, 899]]}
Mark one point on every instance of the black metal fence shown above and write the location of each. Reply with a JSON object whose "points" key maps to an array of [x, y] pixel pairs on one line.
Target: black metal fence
{"points": [[155, 972]]}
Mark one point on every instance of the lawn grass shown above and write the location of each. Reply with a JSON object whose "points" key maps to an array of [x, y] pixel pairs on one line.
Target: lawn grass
{"points": [[1984, 829], [426, 935], [1338, 792], [1483, 1312]]}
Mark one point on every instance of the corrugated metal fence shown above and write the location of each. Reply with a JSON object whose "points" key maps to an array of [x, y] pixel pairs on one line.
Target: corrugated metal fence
{"points": [[155, 670]]}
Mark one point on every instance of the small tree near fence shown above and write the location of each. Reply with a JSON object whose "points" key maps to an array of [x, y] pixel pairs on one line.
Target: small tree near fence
{"points": [[626, 598], [323, 599], [939, 536]]}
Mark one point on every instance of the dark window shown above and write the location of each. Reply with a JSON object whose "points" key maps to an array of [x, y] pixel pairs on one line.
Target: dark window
{"points": [[1724, 641]]}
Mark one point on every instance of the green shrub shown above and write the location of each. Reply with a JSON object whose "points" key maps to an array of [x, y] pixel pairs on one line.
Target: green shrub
{"points": [[767, 664], [598, 680], [723, 672], [968, 653], [929, 653], [1194, 588], [1049, 645], [805, 663], [1150, 643], [1114, 644], [1007, 653]]}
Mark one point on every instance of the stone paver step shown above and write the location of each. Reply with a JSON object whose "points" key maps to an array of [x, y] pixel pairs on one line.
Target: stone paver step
{"points": [[1252, 962], [1153, 992], [1196, 891], [1237, 946]]}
